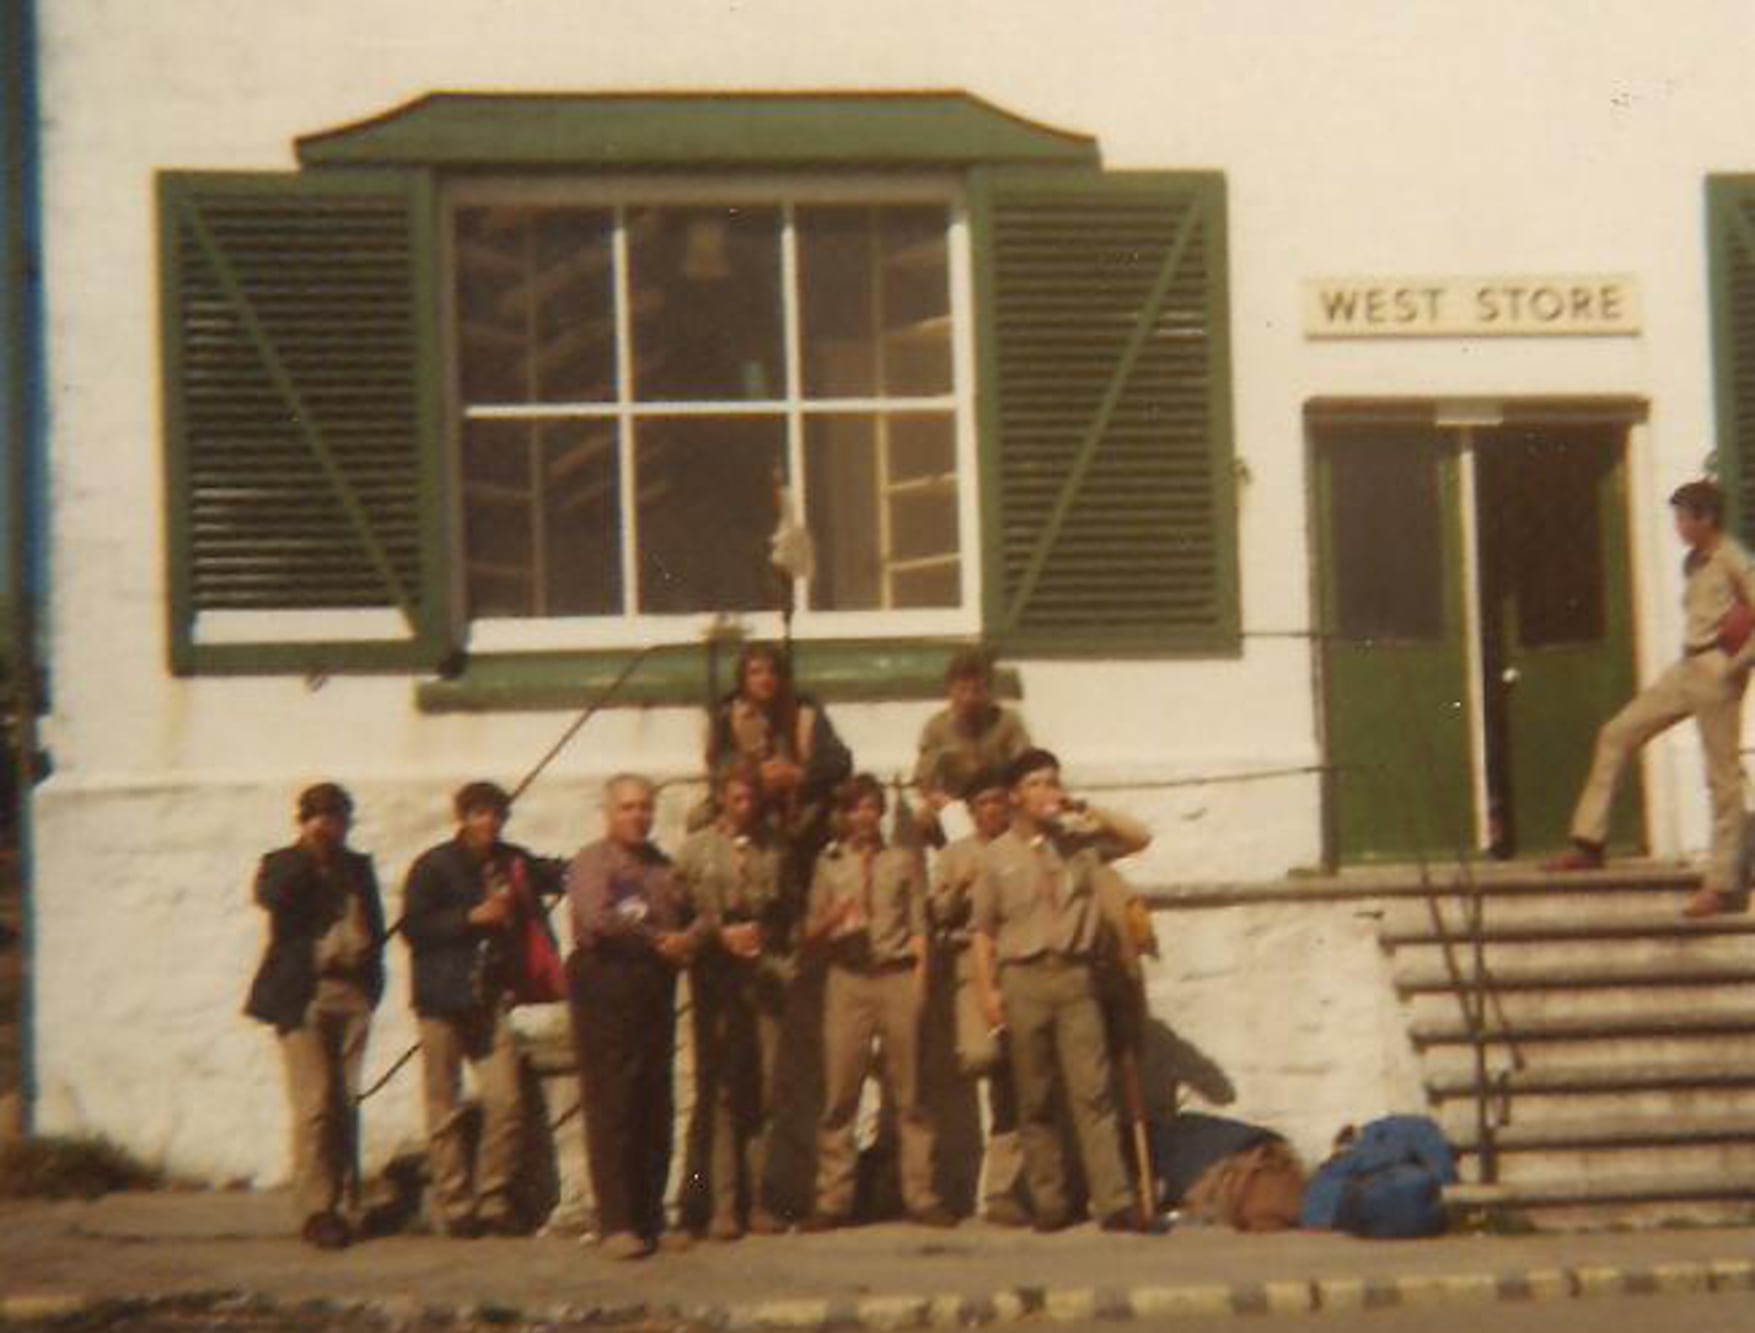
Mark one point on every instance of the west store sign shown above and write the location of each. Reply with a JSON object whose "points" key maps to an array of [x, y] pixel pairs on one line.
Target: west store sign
{"points": [[1493, 307]]}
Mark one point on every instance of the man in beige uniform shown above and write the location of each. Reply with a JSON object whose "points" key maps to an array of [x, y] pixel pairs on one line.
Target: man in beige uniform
{"points": [[1039, 930], [867, 910], [1706, 683], [970, 734], [981, 1049], [731, 870]]}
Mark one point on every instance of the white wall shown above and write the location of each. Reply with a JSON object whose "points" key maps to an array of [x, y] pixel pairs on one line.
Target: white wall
{"points": [[1357, 137]]}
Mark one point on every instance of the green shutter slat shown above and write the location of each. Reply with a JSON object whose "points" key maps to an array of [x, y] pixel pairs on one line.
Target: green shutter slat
{"points": [[1105, 410], [1731, 213], [301, 428]]}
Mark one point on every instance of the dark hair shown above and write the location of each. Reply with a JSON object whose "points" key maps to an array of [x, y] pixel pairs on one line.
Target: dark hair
{"points": [[1703, 499], [860, 787], [781, 711], [969, 664], [768, 652], [324, 798], [1030, 761], [737, 769], [481, 796], [990, 778]]}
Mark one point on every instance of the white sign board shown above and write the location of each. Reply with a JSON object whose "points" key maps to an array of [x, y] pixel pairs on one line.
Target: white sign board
{"points": [[1588, 306]]}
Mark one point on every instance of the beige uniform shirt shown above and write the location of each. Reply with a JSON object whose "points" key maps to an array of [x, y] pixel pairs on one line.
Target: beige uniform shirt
{"points": [[953, 881], [892, 901], [730, 879], [1710, 589], [951, 756], [1039, 898]]}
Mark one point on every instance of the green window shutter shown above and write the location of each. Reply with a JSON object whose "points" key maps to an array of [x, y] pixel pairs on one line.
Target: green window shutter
{"points": [[1731, 223], [303, 466], [1109, 514]]}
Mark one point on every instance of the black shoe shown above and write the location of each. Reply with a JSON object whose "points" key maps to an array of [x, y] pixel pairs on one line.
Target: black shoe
{"points": [[823, 1222], [1006, 1213], [326, 1231], [465, 1228], [503, 1224], [937, 1216], [1126, 1220], [1051, 1222]]}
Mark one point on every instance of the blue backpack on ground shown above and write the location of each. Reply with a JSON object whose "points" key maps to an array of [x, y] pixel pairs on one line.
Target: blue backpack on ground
{"points": [[1388, 1186]]}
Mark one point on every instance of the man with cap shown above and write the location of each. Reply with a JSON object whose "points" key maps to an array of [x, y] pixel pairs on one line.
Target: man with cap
{"points": [[463, 904], [732, 872], [319, 981], [982, 1048], [1706, 683], [1040, 930], [867, 913], [633, 931]]}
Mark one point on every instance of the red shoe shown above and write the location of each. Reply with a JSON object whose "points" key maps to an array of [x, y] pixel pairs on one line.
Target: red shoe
{"points": [[1707, 902], [1579, 856]]}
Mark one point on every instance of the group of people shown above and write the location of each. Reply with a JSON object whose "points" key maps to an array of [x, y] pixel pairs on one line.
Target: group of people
{"points": [[786, 869]]}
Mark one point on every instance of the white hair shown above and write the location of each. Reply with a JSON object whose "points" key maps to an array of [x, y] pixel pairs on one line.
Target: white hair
{"points": [[621, 780]]}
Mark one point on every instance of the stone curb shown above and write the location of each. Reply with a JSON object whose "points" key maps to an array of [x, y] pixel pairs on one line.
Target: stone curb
{"points": [[888, 1314]]}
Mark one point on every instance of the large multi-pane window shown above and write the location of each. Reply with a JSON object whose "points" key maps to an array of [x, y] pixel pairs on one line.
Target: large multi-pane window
{"points": [[643, 382]]}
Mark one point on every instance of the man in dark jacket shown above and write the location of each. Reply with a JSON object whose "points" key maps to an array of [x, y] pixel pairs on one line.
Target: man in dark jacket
{"points": [[461, 912], [318, 984]]}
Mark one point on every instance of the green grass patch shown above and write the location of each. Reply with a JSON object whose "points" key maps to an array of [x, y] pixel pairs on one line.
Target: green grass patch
{"points": [[71, 1168]]}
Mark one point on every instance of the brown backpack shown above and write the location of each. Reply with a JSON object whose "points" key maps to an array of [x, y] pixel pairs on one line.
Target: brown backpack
{"points": [[1258, 1189]]}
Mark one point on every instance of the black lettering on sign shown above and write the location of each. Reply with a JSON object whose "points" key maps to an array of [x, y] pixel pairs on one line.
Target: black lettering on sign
{"points": [[1546, 304], [1340, 305]]}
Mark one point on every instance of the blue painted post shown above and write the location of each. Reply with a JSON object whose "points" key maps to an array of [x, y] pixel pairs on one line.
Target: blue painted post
{"points": [[23, 417]]}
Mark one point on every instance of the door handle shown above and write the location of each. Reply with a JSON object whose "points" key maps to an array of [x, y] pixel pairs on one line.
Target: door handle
{"points": [[1510, 676]]}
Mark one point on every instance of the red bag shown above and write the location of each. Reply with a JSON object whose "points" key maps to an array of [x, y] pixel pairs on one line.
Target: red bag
{"points": [[539, 978], [1737, 624]]}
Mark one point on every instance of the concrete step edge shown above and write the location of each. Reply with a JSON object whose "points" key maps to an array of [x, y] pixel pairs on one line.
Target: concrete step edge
{"points": [[1570, 1027], [1427, 979], [1681, 1076], [1669, 1187], [1632, 1132], [1442, 882], [1576, 928]]}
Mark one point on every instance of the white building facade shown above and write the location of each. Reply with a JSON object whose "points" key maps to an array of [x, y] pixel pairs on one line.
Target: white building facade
{"points": [[1289, 394]]}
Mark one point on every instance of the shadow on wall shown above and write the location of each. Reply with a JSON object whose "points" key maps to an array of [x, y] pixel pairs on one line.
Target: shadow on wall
{"points": [[1170, 1065]]}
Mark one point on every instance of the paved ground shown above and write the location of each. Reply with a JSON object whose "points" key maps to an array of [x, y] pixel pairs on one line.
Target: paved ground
{"points": [[154, 1245]]}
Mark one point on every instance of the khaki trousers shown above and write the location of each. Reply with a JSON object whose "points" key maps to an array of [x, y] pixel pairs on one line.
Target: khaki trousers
{"points": [[1702, 686], [982, 1053], [1055, 1027], [482, 1039], [739, 1012], [322, 1058], [858, 1006]]}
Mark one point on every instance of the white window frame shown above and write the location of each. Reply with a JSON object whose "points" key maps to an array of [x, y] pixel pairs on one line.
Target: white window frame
{"points": [[552, 633]]}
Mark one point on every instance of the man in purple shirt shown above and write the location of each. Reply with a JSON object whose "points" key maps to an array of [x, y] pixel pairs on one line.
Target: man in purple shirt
{"points": [[633, 933]]}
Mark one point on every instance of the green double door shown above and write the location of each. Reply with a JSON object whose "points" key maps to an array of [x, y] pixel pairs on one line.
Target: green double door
{"points": [[1475, 631]]}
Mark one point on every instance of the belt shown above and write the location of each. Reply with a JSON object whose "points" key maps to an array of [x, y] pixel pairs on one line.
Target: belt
{"points": [[1699, 651], [1058, 961], [867, 968]]}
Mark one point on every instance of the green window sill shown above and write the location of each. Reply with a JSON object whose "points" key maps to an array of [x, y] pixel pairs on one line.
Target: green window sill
{"points": [[684, 675]]}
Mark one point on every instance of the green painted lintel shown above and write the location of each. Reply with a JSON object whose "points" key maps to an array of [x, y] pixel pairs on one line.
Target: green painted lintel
{"points": [[1115, 645], [835, 672], [636, 131]]}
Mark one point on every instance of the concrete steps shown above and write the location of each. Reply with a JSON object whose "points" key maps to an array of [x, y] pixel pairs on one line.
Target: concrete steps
{"points": [[1619, 1043]]}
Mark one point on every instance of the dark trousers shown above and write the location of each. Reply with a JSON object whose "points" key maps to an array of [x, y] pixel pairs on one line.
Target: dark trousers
{"points": [[624, 1027], [739, 1011]]}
